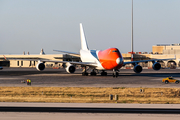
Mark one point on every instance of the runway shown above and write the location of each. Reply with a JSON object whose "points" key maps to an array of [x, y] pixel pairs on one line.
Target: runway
{"points": [[85, 116], [60, 78], [99, 115]]}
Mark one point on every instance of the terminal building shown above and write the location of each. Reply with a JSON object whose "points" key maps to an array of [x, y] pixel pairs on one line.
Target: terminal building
{"points": [[33, 59], [160, 51]]}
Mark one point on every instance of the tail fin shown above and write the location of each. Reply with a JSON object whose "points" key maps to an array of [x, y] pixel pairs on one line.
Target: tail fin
{"points": [[84, 45]]}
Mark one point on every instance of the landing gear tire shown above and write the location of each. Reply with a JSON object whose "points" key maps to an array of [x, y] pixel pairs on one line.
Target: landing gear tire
{"points": [[115, 73], [93, 73], [103, 73], [84, 74]]}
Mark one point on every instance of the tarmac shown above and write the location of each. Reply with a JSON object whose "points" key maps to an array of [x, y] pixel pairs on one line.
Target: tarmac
{"points": [[60, 78]]}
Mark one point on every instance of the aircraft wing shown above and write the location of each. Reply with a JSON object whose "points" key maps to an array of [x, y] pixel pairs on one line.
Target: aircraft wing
{"points": [[93, 64], [24, 59], [134, 62], [73, 53]]}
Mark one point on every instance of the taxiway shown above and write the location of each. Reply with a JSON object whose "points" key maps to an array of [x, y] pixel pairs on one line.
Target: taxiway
{"points": [[60, 78]]}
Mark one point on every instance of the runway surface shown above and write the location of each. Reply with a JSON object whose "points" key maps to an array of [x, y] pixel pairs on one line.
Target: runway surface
{"points": [[88, 115], [60, 78], [85, 116]]}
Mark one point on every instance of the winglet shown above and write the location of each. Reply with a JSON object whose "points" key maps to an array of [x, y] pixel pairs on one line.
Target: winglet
{"points": [[84, 45]]}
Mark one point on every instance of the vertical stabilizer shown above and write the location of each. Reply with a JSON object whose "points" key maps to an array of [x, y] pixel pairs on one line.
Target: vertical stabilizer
{"points": [[84, 45]]}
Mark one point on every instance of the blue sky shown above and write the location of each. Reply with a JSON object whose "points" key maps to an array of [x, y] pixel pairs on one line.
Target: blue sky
{"points": [[29, 25]]}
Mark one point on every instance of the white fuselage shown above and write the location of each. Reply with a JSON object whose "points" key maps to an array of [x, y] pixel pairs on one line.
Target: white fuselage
{"points": [[91, 56]]}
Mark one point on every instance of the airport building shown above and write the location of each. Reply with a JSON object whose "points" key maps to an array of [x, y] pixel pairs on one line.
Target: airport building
{"points": [[160, 51], [27, 60], [166, 49]]}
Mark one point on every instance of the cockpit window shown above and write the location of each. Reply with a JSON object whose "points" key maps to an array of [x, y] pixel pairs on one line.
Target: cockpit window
{"points": [[115, 51]]}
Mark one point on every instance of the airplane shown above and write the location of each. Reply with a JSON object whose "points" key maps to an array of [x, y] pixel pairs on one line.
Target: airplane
{"points": [[98, 60]]}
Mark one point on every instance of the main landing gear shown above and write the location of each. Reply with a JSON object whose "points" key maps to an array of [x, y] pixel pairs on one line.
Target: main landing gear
{"points": [[93, 73], [84, 73], [115, 73], [103, 73]]}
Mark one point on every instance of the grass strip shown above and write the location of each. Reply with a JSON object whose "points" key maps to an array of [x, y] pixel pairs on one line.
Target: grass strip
{"points": [[90, 95]]}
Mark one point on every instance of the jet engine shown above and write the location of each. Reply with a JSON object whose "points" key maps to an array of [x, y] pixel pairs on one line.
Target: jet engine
{"points": [[137, 68], [40, 66], [70, 68], [156, 66]]}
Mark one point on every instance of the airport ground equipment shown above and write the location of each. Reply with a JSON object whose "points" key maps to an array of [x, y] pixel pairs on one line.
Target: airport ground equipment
{"points": [[170, 80]]}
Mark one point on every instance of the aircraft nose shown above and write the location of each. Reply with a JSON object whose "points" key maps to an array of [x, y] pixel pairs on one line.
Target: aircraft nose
{"points": [[119, 61]]}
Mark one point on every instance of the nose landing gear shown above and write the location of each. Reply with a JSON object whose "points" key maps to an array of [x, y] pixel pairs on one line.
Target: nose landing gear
{"points": [[115, 73]]}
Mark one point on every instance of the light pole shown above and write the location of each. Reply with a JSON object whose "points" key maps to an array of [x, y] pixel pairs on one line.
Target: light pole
{"points": [[132, 35]]}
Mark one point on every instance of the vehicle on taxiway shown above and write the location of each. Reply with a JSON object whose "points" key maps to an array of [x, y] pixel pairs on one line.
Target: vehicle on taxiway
{"points": [[170, 80]]}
